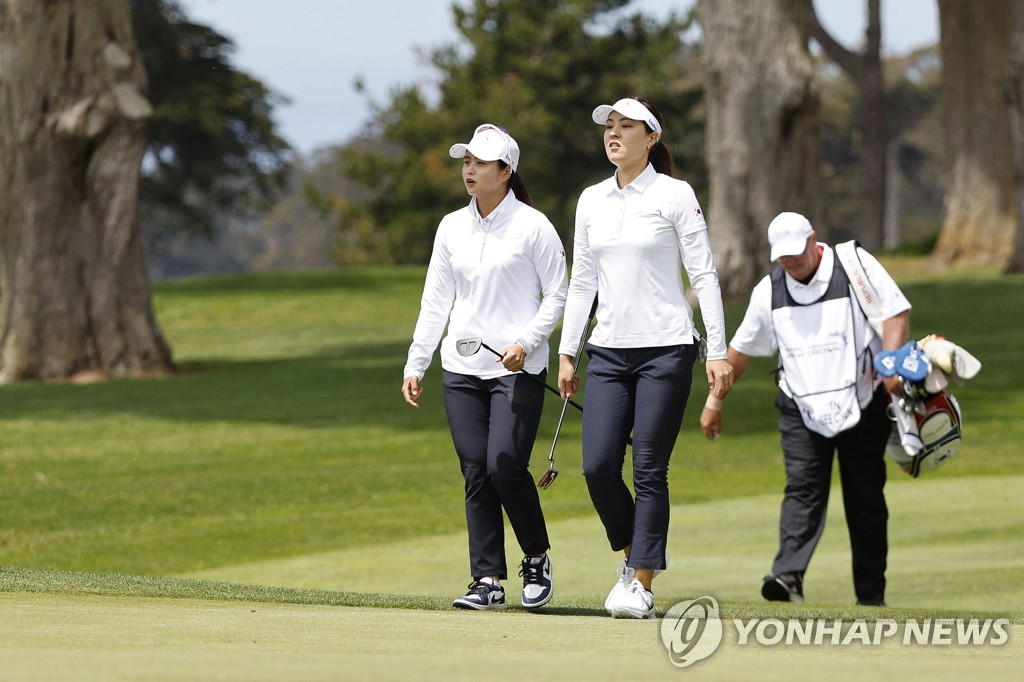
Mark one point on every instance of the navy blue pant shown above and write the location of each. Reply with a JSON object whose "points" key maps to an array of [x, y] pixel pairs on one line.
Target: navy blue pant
{"points": [[808, 460], [494, 424], [643, 391]]}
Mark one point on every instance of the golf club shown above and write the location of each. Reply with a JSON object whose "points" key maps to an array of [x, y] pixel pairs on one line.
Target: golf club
{"points": [[552, 473], [470, 346]]}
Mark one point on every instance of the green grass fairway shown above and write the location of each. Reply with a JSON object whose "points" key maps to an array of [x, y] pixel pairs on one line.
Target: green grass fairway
{"points": [[722, 549], [277, 512], [55, 637]]}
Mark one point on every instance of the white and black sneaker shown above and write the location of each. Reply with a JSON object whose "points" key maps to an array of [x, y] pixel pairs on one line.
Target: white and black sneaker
{"points": [[632, 602], [483, 594], [537, 586]]}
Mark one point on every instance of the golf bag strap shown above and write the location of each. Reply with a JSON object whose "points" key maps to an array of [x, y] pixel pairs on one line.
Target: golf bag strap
{"points": [[846, 254]]}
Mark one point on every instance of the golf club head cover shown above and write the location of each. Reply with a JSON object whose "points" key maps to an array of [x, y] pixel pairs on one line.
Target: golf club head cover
{"points": [[885, 363], [954, 360], [906, 361]]}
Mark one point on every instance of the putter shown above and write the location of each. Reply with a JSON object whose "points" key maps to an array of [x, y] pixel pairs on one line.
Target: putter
{"points": [[552, 473], [471, 345]]}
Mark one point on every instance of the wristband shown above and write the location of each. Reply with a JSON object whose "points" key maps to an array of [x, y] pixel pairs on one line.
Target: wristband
{"points": [[713, 403]]}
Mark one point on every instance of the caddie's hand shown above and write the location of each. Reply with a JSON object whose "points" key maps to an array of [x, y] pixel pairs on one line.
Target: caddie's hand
{"points": [[711, 420], [411, 390], [568, 382], [513, 357], [893, 385], [720, 378]]}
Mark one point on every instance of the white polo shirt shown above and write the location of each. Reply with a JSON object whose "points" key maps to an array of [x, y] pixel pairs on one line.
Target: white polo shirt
{"points": [[629, 248], [756, 336], [501, 278]]}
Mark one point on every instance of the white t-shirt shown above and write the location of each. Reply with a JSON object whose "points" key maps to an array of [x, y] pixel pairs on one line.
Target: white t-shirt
{"points": [[756, 336], [501, 278], [629, 248]]}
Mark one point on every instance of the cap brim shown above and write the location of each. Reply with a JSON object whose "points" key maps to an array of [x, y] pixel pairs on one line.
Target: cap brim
{"points": [[602, 113], [458, 150], [793, 247]]}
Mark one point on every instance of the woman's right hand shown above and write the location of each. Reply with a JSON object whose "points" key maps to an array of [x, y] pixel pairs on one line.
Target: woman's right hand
{"points": [[411, 390], [568, 382]]}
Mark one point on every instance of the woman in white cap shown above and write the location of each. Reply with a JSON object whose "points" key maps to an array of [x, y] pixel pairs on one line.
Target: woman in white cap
{"points": [[497, 273], [635, 232]]}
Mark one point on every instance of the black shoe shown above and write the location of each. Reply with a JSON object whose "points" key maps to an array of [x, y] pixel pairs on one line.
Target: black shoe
{"points": [[537, 585], [874, 601], [783, 587], [483, 594]]}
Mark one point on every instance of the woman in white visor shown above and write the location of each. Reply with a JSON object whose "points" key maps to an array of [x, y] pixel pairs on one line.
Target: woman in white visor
{"points": [[634, 234], [497, 273]]}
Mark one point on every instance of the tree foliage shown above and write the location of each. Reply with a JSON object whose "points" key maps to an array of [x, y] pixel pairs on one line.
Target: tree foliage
{"points": [[537, 68], [213, 152]]}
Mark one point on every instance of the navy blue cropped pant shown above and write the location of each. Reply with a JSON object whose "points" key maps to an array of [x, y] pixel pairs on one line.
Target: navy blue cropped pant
{"points": [[643, 391], [494, 424]]}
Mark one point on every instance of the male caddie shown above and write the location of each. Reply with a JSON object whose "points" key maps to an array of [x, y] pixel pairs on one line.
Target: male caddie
{"points": [[830, 400]]}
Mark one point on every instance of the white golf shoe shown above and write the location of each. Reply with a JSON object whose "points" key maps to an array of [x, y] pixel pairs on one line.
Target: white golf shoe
{"points": [[626, 575], [632, 602]]}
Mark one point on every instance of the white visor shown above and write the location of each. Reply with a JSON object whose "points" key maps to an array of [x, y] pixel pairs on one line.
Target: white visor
{"points": [[489, 143], [630, 108]]}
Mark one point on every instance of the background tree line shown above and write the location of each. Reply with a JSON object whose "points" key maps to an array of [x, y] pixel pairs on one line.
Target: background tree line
{"points": [[547, 101], [128, 133]]}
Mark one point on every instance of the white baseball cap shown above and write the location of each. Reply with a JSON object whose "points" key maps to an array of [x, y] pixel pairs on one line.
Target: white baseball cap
{"points": [[489, 143], [630, 108], [787, 235]]}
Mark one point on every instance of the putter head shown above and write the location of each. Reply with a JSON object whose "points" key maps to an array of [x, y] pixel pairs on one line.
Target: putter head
{"points": [[468, 346], [547, 479]]}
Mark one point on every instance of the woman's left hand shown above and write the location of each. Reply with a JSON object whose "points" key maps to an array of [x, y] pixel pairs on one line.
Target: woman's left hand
{"points": [[720, 377], [513, 357]]}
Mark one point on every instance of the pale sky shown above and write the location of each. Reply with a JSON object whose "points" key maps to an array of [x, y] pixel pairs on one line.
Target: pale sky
{"points": [[313, 51]]}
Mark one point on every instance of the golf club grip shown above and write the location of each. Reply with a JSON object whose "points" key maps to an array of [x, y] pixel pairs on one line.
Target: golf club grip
{"points": [[583, 336], [537, 379]]}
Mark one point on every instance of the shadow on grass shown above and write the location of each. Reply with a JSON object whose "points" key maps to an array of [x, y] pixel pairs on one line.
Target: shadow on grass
{"points": [[346, 385], [358, 383], [354, 384], [71, 583]]}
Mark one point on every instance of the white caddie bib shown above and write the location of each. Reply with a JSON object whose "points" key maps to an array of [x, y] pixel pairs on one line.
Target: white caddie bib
{"points": [[819, 354]]}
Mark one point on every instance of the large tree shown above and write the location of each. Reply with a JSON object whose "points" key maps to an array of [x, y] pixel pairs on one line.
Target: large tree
{"points": [[981, 218], [864, 67], [538, 68], [1016, 99], [74, 294], [763, 130]]}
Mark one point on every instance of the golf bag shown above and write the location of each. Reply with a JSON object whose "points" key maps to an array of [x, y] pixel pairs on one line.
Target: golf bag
{"points": [[927, 422], [927, 436]]}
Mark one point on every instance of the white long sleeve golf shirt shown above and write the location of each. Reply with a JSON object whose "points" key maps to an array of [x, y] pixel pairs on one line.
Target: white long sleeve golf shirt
{"points": [[501, 279], [629, 249]]}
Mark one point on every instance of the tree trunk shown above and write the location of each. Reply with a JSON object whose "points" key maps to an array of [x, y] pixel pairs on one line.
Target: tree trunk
{"points": [[1016, 98], [981, 211], [763, 132], [865, 69], [75, 295]]}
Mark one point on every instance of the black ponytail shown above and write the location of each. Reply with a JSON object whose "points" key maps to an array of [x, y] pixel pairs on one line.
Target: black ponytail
{"points": [[659, 156], [518, 187]]}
